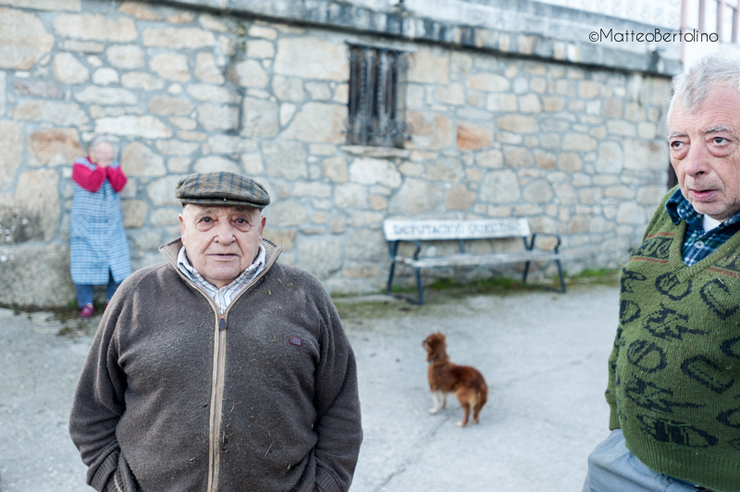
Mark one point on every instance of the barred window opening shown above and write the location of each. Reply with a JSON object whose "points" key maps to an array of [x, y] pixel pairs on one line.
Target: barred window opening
{"points": [[375, 115]]}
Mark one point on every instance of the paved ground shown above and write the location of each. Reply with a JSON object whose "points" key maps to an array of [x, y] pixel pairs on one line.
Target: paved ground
{"points": [[543, 355]]}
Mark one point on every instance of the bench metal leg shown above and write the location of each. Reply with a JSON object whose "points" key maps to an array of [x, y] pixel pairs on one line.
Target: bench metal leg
{"points": [[390, 277], [562, 280], [526, 272], [419, 286]]}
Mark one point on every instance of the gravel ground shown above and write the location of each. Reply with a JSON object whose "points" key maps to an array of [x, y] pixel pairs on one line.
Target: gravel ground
{"points": [[543, 355]]}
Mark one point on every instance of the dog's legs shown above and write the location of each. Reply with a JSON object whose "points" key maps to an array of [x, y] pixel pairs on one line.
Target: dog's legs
{"points": [[466, 409], [440, 401]]}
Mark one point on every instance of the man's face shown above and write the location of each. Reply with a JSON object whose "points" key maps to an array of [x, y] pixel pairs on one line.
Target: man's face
{"points": [[705, 153], [221, 242], [102, 154]]}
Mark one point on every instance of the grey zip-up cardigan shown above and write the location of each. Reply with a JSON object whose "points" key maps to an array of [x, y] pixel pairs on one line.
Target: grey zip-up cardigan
{"points": [[175, 397]]}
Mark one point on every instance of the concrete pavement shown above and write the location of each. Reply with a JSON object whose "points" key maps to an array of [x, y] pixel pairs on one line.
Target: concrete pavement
{"points": [[543, 355]]}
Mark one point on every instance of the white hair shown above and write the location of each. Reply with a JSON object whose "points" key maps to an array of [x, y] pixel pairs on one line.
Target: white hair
{"points": [[691, 88], [97, 140]]}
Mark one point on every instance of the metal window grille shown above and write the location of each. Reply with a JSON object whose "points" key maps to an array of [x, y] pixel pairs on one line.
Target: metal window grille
{"points": [[375, 115]]}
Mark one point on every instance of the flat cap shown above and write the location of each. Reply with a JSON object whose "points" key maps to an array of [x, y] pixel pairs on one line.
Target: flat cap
{"points": [[221, 188]]}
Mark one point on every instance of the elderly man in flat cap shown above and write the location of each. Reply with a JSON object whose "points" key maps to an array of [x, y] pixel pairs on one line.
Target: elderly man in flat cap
{"points": [[221, 369]]}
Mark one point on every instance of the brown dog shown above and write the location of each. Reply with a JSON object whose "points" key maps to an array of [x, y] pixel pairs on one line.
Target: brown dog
{"points": [[445, 377]]}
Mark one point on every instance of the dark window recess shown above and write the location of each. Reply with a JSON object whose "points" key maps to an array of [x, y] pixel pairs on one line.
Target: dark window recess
{"points": [[375, 114]]}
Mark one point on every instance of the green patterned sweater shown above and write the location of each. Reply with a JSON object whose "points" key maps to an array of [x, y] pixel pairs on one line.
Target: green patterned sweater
{"points": [[674, 372]]}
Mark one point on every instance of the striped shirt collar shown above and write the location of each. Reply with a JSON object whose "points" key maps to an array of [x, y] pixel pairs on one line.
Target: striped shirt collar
{"points": [[225, 295], [698, 243]]}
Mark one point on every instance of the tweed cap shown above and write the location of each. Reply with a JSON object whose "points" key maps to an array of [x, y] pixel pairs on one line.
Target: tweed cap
{"points": [[221, 188]]}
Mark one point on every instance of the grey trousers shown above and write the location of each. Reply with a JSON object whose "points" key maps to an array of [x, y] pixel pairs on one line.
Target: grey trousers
{"points": [[613, 468]]}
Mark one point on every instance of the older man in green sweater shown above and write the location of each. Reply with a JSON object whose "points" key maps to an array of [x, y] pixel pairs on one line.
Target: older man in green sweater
{"points": [[674, 372], [220, 370]]}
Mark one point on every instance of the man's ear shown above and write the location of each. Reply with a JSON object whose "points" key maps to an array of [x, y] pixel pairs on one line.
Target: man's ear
{"points": [[182, 223]]}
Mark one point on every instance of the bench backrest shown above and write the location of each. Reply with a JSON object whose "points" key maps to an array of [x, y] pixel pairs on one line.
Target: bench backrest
{"points": [[430, 230]]}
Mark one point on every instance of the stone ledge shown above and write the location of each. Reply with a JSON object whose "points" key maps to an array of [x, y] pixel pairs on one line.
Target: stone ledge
{"points": [[380, 152], [526, 17]]}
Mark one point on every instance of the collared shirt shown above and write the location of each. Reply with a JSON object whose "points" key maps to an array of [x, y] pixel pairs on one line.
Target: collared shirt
{"points": [[698, 242], [225, 295]]}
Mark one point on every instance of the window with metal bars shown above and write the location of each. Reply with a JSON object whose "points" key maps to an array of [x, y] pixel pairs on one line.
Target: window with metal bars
{"points": [[375, 115]]}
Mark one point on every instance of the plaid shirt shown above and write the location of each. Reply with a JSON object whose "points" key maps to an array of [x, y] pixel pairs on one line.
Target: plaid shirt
{"points": [[698, 243], [225, 295]]}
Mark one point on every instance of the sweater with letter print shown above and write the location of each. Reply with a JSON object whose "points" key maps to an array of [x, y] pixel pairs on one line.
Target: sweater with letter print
{"points": [[674, 372]]}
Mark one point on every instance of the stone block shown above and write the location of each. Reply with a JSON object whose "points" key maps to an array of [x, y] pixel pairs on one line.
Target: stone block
{"points": [[260, 49], [166, 216], [162, 192], [454, 94], [106, 96], [36, 269], [416, 197], [612, 107], [215, 23], [430, 131], [491, 159], [285, 159], [178, 38], [473, 137], [256, 31], [95, 27], [537, 191], [140, 10], [53, 5], [489, 82], [646, 155], [310, 57], [218, 117], [259, 118], [105, 76], [139, 160], [178, 165], [588, 89], [206, 69], [530, 103], [134, 213], [460, 197], [500, 187], [515, 157], [369, 171], [579, 142], [83, 46], [570, 162], [517, 123], [289, 88], [250, 73], [366, 245], [11, 152], [621, 128], [226, 144], [650, 195], [350, 195], [133, 126], [252, 164], [286, 214], [171, 66], [631, 213], [54, 147], [312, 189], [170, 105], [320, 256], [335, 169], [23, 39], [611, 158], [501, 103], [68, 69], [176, 147], [215, 163], [213, 93], [125, 56], [57, 113], [33, 87], [318, 122], [36, 205], [142, 81]]}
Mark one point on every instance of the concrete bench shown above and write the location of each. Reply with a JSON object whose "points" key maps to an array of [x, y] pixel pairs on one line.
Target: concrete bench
{"points": [[417, 231]]}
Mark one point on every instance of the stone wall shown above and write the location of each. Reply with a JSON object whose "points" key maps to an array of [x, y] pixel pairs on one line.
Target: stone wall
{"points": [[577, 150]]}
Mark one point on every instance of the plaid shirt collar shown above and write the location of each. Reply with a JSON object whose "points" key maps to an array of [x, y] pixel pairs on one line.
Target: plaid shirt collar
{"points": [[225, 295], [698, 243]]}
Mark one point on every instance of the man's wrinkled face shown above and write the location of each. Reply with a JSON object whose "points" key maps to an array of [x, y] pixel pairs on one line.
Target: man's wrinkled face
{"points": [[221, 242], [705, 153]]}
